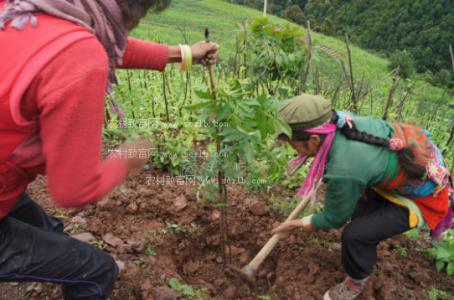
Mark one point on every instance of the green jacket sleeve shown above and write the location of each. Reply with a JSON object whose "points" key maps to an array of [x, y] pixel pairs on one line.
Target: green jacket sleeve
{"points": [[341, 198]]}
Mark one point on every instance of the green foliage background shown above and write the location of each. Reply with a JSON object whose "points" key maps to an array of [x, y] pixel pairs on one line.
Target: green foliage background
{"points": [[424, 28], [428, 106]]}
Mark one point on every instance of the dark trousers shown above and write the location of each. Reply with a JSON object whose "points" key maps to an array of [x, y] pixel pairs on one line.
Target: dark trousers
{"points": [[33, 247], [375, 219]]}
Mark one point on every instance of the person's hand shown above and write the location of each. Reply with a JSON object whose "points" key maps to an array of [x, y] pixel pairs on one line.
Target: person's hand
{"points": [[287, 227], [205, 53], [137, 152]]}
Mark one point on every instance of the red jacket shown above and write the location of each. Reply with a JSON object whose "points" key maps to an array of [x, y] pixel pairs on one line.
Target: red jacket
{"points": [[52, 88]]}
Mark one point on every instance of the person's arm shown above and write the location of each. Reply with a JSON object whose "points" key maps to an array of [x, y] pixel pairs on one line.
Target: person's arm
{"points": [[341, 197], [71, 118], [141, 54], [146, 55], [352, 167]]}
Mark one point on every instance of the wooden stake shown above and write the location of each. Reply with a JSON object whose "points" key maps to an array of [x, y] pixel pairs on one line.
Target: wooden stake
{"points": [[221, 182], [389, 102], [451, 135], [305, 74], [400, 108], [210, 67], [452, 57], [164, 91], [352, 81]]}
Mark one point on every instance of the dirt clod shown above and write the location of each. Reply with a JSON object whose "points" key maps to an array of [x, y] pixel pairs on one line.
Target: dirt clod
{"points": [[257, 207], [132, 208], [180, 203], [112, 240], [230, 292], [85, 237], [121, 265], [166, 293], [191, 267]]}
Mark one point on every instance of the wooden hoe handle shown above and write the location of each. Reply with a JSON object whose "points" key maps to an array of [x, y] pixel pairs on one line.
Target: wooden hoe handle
{"points": [[269, 246]]}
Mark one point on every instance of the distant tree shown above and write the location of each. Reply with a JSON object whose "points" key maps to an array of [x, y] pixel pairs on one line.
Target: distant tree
{"points": [[327, 26], [424, 28], [295, 14], [443, 78], [405, 61], [427, 76], [300, 3], [313, 20]]}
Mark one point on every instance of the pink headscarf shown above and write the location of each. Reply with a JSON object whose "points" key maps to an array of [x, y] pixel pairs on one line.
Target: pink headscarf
{"points": [[317, 168]]}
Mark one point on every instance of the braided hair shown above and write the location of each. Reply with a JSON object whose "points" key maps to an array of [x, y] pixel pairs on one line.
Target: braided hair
{"points": [[406, 155]]}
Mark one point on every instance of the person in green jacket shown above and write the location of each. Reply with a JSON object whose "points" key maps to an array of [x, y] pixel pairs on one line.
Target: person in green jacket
{"points": [[385, 177]]}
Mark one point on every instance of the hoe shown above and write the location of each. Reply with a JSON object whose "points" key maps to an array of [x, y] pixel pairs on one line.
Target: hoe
{"points": [[247, 273]]}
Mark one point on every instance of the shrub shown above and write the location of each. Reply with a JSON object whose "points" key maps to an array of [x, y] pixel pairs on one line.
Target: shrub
{"points": [[405, 61], [295, 14]]}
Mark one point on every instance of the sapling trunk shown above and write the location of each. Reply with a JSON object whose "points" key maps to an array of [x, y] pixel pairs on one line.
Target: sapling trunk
{"points": [[245, 31], [346, 102], [278, 82], [302, 85], [318, 88], [451, 134], [187, 86], [171, 75], [362, 91], [153, 108], [452, 57], [336, 92], [222, 197], [128, 75], [403, 100], [236, 67], [164, 91], [144, 82], [352, 79], [389, 102], [106, 118], [433, 116]]}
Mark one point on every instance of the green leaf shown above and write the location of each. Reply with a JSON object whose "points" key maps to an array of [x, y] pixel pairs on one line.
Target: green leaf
{"points": [[283, 127], [413, 234], [439, 265], [450, 268], [204, 95], [198, 106], [184, 289], [252, 102], [223, 112], [442, 252], [173, 283], [211, 192], [246, 130]]}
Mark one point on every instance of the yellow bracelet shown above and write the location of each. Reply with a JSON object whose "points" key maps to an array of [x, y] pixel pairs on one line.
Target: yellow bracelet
{"points": [[182, 56], [186, 58]]}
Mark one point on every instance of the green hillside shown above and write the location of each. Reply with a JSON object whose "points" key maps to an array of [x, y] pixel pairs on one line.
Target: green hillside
{"points": [[428, 106], [224, 21]]}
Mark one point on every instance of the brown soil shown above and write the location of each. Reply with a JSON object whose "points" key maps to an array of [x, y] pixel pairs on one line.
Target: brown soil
{"points": [[164, 233]]}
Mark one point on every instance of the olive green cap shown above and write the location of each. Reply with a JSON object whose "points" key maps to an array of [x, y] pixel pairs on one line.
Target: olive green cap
{"points": [[305, 111]]}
